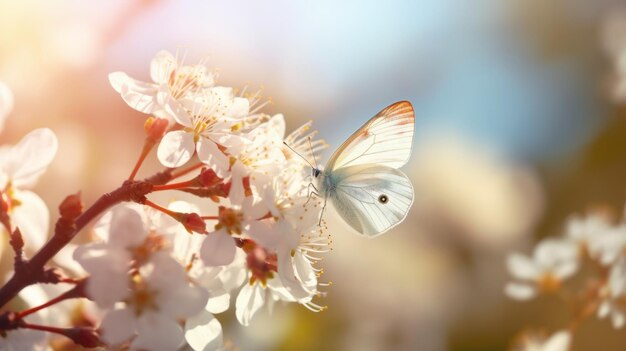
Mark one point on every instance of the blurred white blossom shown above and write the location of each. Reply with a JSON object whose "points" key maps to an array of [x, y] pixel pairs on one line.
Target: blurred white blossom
{"points": [[614, 294], [553, 261], [21, 165], [559, 341]]}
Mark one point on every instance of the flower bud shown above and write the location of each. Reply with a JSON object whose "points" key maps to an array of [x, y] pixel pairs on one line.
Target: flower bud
{"points": [[208, 178], [193, 222], [85, 337], [155, 128], [71, 207]]}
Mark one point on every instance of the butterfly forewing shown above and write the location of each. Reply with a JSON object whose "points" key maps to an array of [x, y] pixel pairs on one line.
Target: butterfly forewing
{"points": [[385, 139], [371, 198]]}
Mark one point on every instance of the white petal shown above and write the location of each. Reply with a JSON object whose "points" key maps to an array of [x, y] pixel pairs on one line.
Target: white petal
{"points": [[108, 268], [6, 103], [520, 292], [203, 332], [249, 301], [211, 155], [175, 109], [604, 309], [237, 192], [157, 332], [218, 249], [118, 326], [305, 272], [267, 233], [521, 267], [176, 148], [161, 66], [127, 227], [560, 341], [239, 108], [218, 302], [185, 301], [566, 269], [31, 156], [618, 319], [139, 95], [32, 217]]}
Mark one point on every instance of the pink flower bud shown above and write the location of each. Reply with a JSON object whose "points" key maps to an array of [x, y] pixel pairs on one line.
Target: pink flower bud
{"points": [[155, 128], [193, 222], [71, 207]]}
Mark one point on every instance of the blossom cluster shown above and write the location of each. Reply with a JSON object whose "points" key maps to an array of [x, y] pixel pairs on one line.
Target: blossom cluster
{"points": [[157, 275], [593, 241]]}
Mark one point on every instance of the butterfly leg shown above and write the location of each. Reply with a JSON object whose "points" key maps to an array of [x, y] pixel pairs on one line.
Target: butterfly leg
{"points": [[319, 224], [310, 192]]}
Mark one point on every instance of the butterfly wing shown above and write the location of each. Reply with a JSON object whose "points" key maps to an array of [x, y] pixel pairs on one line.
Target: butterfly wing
{"points": [[385, 139], [371, 198]]}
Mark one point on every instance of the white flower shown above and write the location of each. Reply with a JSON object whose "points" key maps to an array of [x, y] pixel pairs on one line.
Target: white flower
{"points": [[614, 295], [159, 295], [553, 261], [585, 230], [209, 123], [203, 331], [6, 103], [171, 81], [20, 167], [609, 245], [559, 341], [262, 156], [131, 238], [219, 247], [280, 276]]}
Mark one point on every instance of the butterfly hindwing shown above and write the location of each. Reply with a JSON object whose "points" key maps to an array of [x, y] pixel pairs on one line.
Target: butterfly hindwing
{"points": [[385, 139], [372, 198]]}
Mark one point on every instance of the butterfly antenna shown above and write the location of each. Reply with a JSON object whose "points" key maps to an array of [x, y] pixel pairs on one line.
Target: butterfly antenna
{"points": [[312, 153], [296, 152]]}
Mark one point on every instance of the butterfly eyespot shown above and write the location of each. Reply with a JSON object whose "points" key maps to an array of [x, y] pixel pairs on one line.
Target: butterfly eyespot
{"points": [[383, 199]]}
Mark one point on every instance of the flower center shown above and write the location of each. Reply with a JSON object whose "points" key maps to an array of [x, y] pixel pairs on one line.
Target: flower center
{"points": [[153, 243], [548, 283], [142, 298], [229, 219], [183, 80], [261, 263]]}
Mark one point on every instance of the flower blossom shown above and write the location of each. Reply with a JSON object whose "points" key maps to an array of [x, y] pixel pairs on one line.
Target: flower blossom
{"points": [[559, 341], [20, 167], [171, 81], [553, 261], [613, 295], [209, 122]]}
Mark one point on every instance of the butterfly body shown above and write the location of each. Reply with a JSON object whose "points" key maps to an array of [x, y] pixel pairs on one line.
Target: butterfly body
{"points": [[361, 179]]}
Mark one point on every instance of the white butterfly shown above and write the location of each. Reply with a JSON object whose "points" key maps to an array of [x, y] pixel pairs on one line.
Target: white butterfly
{"points": [[362, 178]]}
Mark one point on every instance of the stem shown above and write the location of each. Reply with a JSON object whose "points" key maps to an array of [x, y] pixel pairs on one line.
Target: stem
{"points": [[44, 328], [147, 146], [75, 292], [162, 209], [174, 186], [214, 218]]}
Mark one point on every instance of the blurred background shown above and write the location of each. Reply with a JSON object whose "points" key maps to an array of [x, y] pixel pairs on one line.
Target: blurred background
{"points": [[520, 122]]}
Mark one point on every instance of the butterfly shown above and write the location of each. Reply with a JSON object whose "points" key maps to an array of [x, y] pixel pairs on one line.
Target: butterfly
{"points": [[362, 179]]}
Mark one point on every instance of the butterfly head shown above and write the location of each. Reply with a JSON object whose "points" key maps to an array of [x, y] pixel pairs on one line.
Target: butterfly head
{"points": [[315, 172]]}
